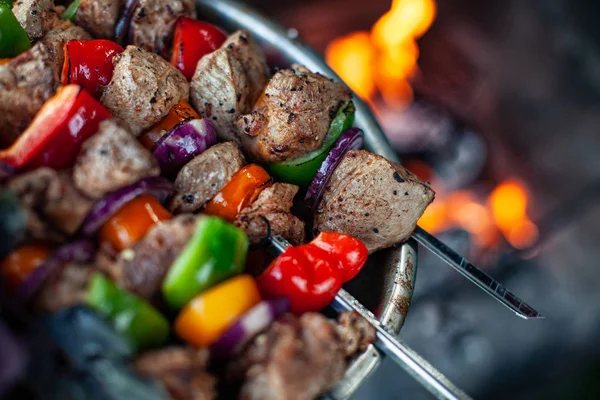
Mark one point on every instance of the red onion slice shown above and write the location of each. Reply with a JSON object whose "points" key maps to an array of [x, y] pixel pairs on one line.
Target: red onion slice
{"points": [[79, 251], [112, 202], [188, 139], [352, 139], [249, 325], [123, 27]]}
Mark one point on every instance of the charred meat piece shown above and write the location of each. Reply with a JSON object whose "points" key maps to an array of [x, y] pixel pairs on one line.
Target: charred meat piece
{"points": [[270, 214], [355, 333], [153, 22], [202, 178], [36, 16], [54, 206], [66, 287], [111, 159], [182, 370], [146, 264], [26, 82], [373, 200], [296, 358], [143, 89], [228, 82], [293, 116], [61, 34], [98, 17]]}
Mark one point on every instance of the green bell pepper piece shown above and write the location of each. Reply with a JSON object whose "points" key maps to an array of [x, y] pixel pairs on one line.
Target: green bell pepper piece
{"points": [[301, 171], [216, 252], [71, 11], [130, 315], [13, 38]]}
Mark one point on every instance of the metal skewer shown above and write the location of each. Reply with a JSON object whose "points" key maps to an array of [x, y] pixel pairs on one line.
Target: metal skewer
{"points": [[423, 372], [475, 275]]}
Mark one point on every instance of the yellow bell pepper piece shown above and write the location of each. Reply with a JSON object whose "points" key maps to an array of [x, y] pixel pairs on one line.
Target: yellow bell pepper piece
{"points": [[207, 316]]}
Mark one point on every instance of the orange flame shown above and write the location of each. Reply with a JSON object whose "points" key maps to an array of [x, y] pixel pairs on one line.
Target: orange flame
{"points": [[386, 58], [504, 212]]}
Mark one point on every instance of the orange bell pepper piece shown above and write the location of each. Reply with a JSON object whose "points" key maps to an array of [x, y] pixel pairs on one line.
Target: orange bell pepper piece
{"points": [[182, 112], [19, 264], [241, 190], [128, 225], [211, 313]]}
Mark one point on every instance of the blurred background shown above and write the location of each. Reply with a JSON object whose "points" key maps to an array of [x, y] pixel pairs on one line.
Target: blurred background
{"points": [[497, 104]]}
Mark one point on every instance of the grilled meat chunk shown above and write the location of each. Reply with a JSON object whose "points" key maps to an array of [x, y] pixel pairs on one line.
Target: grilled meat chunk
{"points": [[182, 370], [355, 332], [26, 82], [143, 268], [66, 287], [111, 159], [61, 34], [99, 17], [270, 214], [296, 358], [54, 206], [228, 82], [293, 116], [153, 23], [35, 16], [202, 178], [373, 200], [143, 89]]}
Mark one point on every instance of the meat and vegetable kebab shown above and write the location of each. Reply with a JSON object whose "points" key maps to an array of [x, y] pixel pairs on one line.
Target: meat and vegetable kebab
{"points": [[88, 125]]}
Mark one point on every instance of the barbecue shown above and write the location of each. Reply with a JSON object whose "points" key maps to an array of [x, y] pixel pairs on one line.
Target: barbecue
{"points": [[142, 185]]}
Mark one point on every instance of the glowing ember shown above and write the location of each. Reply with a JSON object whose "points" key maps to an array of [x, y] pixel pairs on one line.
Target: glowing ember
{"points": [[385, 58], [505, 212]]}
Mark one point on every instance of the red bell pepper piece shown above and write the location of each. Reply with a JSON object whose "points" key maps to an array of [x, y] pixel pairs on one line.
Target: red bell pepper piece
{"points": [[89, 64], [312, 274], [56, 134], [192, 40]]}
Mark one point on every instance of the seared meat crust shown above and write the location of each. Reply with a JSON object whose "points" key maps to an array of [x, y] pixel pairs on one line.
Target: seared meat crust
{"points": [[270, 214], [153, 23], [228, 82], [26, 82], [65, 288], [202, 178], [54, 206], [99, 17], [355, 332], [35, 16], [373, 200], [296, 358], [143, 89], [182, 370], [293, 115], [143, 268], [111, 159], [61, 34]]}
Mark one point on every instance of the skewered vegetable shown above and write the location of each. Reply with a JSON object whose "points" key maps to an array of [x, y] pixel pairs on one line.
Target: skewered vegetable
{"points": [[21, 262], [217, 251], [301, 171], [210, 314], [58, 131], [194, 39], [111, 203], [311, 275], [188, 139], [248, 326], [137, 320], [180, 113], [71, 11], [89, 64], [13, 38], [132, 221], [242, 189]]}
